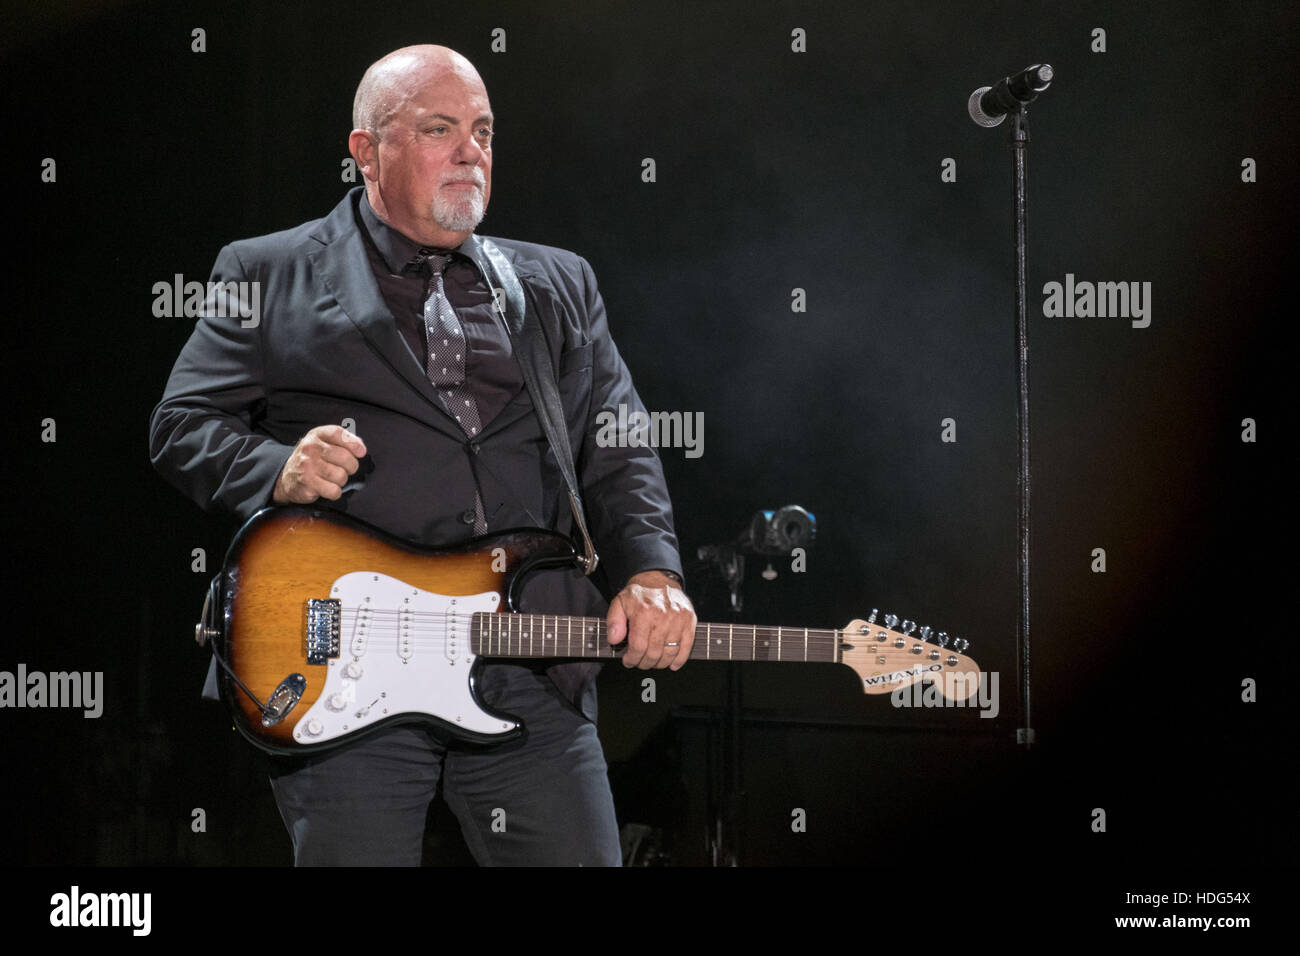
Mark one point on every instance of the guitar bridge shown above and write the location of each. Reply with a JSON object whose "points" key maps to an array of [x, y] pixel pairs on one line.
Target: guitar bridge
{"points": [[322, 629]]}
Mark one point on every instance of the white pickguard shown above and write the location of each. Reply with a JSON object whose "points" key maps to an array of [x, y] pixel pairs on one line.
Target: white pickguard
{"points": [[401, 650]]}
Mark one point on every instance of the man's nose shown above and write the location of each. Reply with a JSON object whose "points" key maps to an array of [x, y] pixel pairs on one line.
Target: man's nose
{"points": [[469, 151]]}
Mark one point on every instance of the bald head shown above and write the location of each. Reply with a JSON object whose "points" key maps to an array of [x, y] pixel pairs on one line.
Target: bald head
{"points": [[392, 81]]}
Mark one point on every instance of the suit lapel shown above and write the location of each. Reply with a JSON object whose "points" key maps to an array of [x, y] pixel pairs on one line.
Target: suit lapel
{"points": [[343, 267], [527, 337]]}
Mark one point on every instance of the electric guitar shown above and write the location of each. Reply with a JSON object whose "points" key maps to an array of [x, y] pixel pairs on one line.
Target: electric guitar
{"points": [[327, 629]]}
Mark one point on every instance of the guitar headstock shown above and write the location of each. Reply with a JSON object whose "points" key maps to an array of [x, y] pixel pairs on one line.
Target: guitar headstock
{"points": [[890, 654]]}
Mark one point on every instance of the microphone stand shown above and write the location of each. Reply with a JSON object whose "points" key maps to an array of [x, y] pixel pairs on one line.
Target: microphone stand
{"points": [[987, 106], [770, 533], [1019, 147], [726, 795]]}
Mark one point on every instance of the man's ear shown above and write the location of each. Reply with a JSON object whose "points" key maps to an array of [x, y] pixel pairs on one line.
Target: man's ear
{"points": [[364, 147]]}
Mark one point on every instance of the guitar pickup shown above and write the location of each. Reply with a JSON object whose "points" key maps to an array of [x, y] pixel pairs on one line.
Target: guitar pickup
{"points": [[323, 629]]}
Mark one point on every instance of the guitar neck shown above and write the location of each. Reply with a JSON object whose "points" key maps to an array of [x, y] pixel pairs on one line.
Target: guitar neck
{"points": [[551, 635]]}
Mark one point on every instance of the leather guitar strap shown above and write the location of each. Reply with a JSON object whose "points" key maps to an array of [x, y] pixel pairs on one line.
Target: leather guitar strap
{"points": [[529, 343]]}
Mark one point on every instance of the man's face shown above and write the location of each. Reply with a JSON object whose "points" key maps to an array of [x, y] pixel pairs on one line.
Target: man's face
{"points": [[435, 158]]}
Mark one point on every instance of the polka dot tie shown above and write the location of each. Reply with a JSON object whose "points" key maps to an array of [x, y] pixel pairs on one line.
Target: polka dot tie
{"points": [[445, 363]]}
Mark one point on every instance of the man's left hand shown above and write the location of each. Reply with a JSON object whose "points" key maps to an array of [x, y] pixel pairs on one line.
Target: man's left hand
{"points": [[656, 618]]}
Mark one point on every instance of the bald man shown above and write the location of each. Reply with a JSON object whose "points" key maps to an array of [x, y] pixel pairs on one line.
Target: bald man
{"points": [[447, 444]]}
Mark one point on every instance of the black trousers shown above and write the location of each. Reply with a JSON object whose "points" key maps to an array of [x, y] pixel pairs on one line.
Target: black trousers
{"points": [[541, 800]]}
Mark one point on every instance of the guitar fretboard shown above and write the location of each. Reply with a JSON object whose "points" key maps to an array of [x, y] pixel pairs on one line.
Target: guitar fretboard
{"points": [[550, 635]]}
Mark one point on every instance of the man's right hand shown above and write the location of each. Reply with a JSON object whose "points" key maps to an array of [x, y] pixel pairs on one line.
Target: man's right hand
{"points": [[320, 466]]}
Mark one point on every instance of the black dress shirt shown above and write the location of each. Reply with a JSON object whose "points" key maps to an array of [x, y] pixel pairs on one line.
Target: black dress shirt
{"points": [[490, 367]]}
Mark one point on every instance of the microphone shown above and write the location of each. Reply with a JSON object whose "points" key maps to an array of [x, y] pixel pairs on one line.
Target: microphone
{"points": [[989, 105]]}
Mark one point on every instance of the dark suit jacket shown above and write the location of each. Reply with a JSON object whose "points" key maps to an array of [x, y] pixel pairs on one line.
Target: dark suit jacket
{"points": [[326, 348]]}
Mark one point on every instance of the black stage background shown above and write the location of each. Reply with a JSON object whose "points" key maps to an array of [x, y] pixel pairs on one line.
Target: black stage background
{"points": [[776, 170]]}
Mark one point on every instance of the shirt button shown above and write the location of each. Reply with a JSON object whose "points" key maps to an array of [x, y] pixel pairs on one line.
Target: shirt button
{"points": [[476, 447], [467, 516]]}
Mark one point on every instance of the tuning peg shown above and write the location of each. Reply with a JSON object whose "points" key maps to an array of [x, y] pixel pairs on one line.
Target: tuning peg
{"points": [[909, 627], [871, 618], [891, 621], [959, 644], [924, 632], [941, 638]]}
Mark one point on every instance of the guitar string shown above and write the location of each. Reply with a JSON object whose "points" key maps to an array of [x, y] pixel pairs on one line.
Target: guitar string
{"points": [[764, 637], [514, 622], [597, 621], [516, 625], [381, 625], [428, 639], [560, 638], [429, 630], [385, 639]]}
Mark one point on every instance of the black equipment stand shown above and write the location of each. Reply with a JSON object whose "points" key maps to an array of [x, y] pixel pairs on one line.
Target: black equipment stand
{"points": [[988, 107], [1019, 146]]}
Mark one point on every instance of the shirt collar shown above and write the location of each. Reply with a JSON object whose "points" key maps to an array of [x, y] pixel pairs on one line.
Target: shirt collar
{"points": [[396, 248]]}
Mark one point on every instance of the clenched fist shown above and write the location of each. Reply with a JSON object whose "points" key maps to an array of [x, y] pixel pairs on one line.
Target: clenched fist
{"points": [[656, 619], [320, 466]]}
